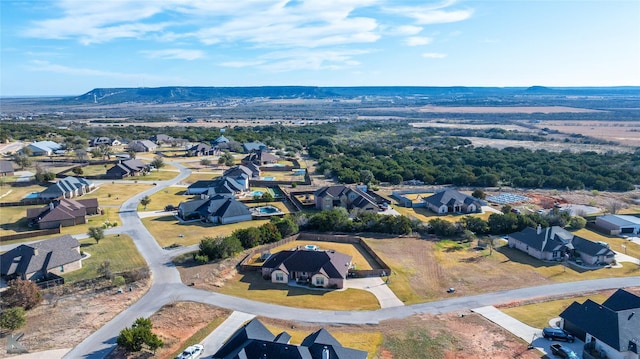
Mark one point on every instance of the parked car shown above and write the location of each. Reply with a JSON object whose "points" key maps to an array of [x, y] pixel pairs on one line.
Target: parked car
{"points": [[192, 352], [557, 334], [563, 352]]}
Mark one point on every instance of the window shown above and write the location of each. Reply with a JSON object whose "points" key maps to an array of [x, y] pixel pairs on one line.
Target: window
{"points": [[320, 281], [279, 277], [62, 269]]}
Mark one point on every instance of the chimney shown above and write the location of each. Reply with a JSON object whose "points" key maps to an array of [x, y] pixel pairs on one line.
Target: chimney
{"points": [[539, 229], [325, 353], [51, 206]]}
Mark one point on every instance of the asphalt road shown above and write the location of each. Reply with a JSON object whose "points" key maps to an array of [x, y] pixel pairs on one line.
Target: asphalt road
{"points": [[167, 287]]}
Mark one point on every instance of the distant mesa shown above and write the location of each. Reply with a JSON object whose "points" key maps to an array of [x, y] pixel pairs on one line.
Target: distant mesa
{"points": [[539, 89]]}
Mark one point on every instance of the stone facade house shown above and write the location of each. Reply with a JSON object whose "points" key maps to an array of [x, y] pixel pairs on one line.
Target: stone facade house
{"points": [[63, 213], [452, 201], [327, 269], [327, 198]]}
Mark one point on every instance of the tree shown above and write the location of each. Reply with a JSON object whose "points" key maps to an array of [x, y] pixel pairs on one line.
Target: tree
{"points": [[478, 193], [269, 233], [104, 269], [249, 237], [613, 206], [287, 226], [81, 154], [22, 293], [475, 224], [145, 201], [443, 228], [267, 197], [77, 170], [220, 247], [22, 160], [577, 222], [226, 159], [132, 154], [205, 162], [157, 162], [139, 334], [12, 318], [96, 233], [366, 176]]}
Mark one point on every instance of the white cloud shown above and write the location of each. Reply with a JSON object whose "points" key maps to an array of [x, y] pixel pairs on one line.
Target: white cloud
{"points": [[405, 30], [434, 55], [46, 66], [239, 64], [174, 54], [418, 41], [434, 14]]}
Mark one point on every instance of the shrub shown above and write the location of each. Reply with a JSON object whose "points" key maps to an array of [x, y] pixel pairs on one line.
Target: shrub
{"points": [[12, 318], [22, 293]]}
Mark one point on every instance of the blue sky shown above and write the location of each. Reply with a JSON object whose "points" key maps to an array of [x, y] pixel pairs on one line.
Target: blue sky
{"points": [[68, 47]]}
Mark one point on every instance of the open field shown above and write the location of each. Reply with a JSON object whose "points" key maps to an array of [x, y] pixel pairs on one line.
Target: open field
{"points": [[539, 314], [358, 255], [116, 193], [16, 193], [623, 132], [168, 231], [471, 125], [504, 109], [552, 146], [171, 195], [119, 250], [423, 270]]}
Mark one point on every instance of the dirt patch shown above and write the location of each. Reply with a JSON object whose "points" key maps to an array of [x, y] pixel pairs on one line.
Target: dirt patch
{"points": [[66, 318], [174, 324], [547, 198]]}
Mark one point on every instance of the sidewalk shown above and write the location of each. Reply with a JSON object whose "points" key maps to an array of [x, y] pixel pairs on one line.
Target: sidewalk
{"points": [[213, 342]]}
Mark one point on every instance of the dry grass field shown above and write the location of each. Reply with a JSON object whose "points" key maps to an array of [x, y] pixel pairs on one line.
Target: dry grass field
{"points": [[623, 132], [504, 109]]}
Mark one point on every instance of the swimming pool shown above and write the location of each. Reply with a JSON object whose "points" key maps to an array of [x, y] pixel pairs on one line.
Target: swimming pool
{"points": [[257, 193], [268, 178], [268, 210], [32, 195]]}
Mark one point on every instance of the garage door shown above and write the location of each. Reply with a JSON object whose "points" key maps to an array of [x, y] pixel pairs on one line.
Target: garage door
{"points": [[626, 230]]}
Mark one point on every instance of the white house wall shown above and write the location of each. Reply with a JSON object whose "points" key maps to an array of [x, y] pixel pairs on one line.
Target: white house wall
{"points": [[285, 277], [612, 353]]}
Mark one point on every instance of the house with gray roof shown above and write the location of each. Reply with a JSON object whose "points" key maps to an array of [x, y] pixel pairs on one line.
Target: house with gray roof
{"points": [[63, 213], [259, 158], [327, 269], [249, 147], [108, 141], [451, 201], [557, 244], [615, 224], [247, 171], [201, 149], [224, 185], [254, 340], [6, 168], [44, 148], [327, 198], [142, 146], [34, 260], [216, 209], [68, 187], [611, 328]]}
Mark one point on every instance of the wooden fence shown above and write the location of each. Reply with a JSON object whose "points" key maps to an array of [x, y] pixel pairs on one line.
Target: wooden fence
{"points": [[30, 234]]}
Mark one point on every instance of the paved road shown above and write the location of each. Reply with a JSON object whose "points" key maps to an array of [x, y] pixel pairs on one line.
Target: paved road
{"points": [[167, 287]]}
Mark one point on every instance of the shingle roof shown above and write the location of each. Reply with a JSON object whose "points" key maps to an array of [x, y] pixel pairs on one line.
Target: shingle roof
{"points": [[47, 146], [618, 329], [254, 341], [330, 263], [591, 248], [65, 186], [200, 147], [550, 238], [622, 300], [450, 197], [253, 146], [46, 254], [6, 166], [216, 206]]}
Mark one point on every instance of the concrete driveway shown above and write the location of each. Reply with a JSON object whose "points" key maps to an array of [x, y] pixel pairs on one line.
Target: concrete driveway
{"points": [[214, 341], [377, 287], [527, 333]]}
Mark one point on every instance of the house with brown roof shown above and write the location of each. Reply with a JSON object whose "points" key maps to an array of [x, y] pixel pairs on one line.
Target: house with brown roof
{"points": [[327, 198], [327, 269], [35, 260], [128, 168], [63, 213]]}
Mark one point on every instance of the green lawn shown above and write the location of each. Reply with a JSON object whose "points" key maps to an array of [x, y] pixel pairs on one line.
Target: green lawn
{"points": [[252, 286], [426, 215], [538, 315], [116, 193], [168, 231], [16, 193], [120, 251]]}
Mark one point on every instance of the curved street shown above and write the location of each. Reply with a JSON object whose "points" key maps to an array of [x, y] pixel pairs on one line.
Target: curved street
{"points": [[167, 287]]}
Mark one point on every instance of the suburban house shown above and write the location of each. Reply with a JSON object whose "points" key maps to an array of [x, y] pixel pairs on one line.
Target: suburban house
{"points": [[63, 213], [226, 144], [220, 140], [327, 198], [217, 209], [619, 224], [254, 340], [97, 141], [611, 328], [122, 169], [6, 168], [249, 147], [451, 201], [142, 146], [201, 149], [34, 261], [44, 148], [260, 158], [224, 185], [557, 244], [249, 170], [161, 138], [326, 269], [68, 187]]}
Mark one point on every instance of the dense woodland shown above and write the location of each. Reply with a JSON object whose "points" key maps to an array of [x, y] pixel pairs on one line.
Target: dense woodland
{"points": [[393, 152]]}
